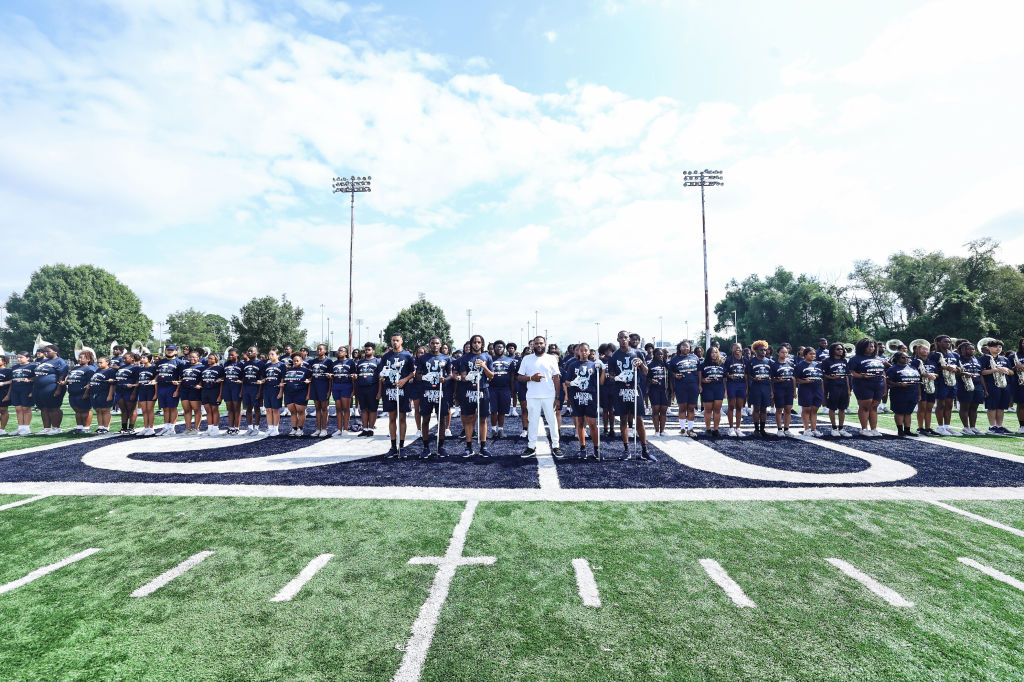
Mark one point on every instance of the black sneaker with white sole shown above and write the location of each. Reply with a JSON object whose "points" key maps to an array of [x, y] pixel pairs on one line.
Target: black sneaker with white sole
{"points": [[529, 452], [557, 453], [392, 452], [468, 452], [484, 452]]}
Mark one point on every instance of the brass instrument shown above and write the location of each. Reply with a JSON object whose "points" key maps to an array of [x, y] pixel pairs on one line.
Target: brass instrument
{"points": [[948, 373], [1017, 360], [849, 348], [893, 345], [39, 344]]}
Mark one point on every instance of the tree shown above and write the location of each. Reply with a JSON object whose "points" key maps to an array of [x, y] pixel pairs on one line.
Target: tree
{"points": [[199, 330], [784, 307], [418, 323], [265, 322], [66, 304]]}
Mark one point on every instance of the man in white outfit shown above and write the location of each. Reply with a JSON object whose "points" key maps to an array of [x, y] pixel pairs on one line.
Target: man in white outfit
{"points": [[539, 372]]}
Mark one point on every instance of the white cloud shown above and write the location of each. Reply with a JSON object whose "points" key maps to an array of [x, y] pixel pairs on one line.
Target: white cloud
{"points": [[550, 36], [330, 10], [785, 112]]}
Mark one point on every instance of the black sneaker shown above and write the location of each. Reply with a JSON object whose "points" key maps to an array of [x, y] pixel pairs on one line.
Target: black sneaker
{"points": [[402, 454], [484, 452], [365, 433], [393, 452], [130, 432], [425, 454], [529, 452], [647, 457], [468, 452], [597, 454], [557, 453], [625, 456], [912, 433]]}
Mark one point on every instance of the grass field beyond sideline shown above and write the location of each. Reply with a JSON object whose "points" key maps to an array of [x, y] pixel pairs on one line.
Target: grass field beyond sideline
{"points": [[661, 615]]}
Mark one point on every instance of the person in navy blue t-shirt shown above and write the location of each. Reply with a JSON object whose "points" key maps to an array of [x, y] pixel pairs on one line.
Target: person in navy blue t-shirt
{"points": [[322, 366], [837, 388], [904, 384], [126, 391], [998, 398], [824, 350], [684, 367], [368, 388], [658, 391], [23, 376], [101, 393], [212, 393], [759, 381], [168, 378], [271, 376], [252, 399], [921, 361], [191, 392], [146, 394], [342, 372], [434, 369], [946, 360], [501, 388], [48, 392], [397, 368], [810, 377], [295, 388], [783, 389], [77, 382], [625, 367], [234, 382], [712, 382], [735, 367], [584, 377], [970, 378], [5, 394], [867, 371], [474, 373]]}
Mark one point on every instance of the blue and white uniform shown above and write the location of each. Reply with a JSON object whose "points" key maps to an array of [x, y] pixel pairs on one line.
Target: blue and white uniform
{"points": [[715, 389], [812, 394], [5, 390], [657, 384], [99, 388], [998, 398], [944, 390], [234, 380], [475, 379], [320, 384], [435, 369], [735, 377], [191, 383], [78, 380], [782, 383], [873, 387], [623, 374], [126, 387], [252, 372], [903, 399], [168, 370], [684, 370], [926, 363], [146, 392], [367, 383], [759, 375], [341, 378], [582, 380], [836, 375], [501, 385], [23, 378], [972, 368], [272, 374], [212, 381], [297, 382], [45, 391]]}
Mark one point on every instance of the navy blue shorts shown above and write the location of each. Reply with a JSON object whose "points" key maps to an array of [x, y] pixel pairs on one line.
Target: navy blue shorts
{"points": [[783, 395], [658, 396], [521, 391], [584, 405], [232, 392], [759, 394], [866, 389], [78, 403], [625, 403], [903, 401], [319, 391], [467, 402], [810, 395], [944, 392], [414, 390], [146, 394], [125, 395], [686, 392], [99, 401], [47, 397], [998, 398], [341, 391], [192, 395], [295, 397], [210, 396], [736, 389], [395, 400], [367, 396], [249, 395], [1018, 394], [165, 395], [837, 398], [976, 396], [430, 403], [21, 396], [501, 400], [927, 397], [271, 401], [713, 393]]}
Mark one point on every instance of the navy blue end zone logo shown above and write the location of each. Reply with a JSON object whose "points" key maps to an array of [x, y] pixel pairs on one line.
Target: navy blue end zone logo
{"points": [[683, 464]]}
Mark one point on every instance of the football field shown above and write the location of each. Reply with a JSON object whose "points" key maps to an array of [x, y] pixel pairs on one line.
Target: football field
{"points": [[203, 558]]}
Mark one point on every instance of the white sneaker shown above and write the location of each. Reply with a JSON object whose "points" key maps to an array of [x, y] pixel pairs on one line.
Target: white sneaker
{"points": [[951, 432], [448, 433], [1021, 430], [816, 433], [845, 434], [148, 432], [524, 434], [340, 433], [771, 410], [740, 433], [779, 433], [213, 431]]}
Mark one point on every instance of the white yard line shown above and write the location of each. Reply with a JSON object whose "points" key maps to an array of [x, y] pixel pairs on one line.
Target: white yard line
{"points": [[161, 580], [40, 572], [418, 645], [993, 573], [763, 494], [887, 593], [12, 505], [995, 524], [959, 444], [735, 592], [547, 472], [299, 581], [586, 584]]}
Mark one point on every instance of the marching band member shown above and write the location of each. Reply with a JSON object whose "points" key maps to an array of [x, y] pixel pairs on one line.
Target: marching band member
{"points": [[270, 383], [434, 369], [77, 382], [5, 394], [608, 391], [212, 393], [783, 390], [625, 368], [929, 375], [904, 390], [759, 377], [234, 381], [1018, 382], [500, 388], [146, 393], [584, 376], [809, 377], [126, 390], [735, 367], [294, 390], [996, 371], [683, 367], [100, 393], [191, 392], [397, 368], [867, 370], [971, 390], [168, 381], [712, 382], [476, 371], [48, 391], [252, 399], [367, 381], [947, 362], [837, 388], [657, 390], [322, 368], [342, 372]]}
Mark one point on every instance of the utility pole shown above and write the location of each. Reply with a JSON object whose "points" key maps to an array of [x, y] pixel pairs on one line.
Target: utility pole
{"points": [[702, 179]]}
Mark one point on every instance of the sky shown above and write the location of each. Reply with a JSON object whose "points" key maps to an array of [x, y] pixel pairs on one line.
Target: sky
{"points": [[527, 158]]}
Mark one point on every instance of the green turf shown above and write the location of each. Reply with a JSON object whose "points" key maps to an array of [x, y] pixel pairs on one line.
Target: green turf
{"points": [[521, 618], [215, 622], [4, 499], [8, 443], [1011, 444], [1009, 512], [662, 617]]}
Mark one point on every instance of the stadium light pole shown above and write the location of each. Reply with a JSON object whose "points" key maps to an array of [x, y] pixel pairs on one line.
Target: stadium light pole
{"points": [[359, 325], [598, 325], [687, 323], [469, 321], [321, 323], [702, 179], [735, 329], [661, 329], [351, 185]]}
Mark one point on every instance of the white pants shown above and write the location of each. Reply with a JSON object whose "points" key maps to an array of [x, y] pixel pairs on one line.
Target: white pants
{"points": [[536, 407]]}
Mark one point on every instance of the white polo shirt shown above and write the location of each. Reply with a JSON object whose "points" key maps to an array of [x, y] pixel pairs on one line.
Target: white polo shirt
{"points": [[547, 366]]}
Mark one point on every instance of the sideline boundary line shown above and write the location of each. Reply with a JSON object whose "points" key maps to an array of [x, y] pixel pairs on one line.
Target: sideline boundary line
{"points": [[763, 494], [992, 573], [18, 503], [981, 519]]}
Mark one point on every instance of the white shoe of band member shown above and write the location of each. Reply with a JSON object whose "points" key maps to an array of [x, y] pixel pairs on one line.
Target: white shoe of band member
{"points": [[448, 433], [740, 434], [779, 433], [213, 430], [845, 434], [952, 432], [1021, 430], [340, 433], [524, 434]]}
